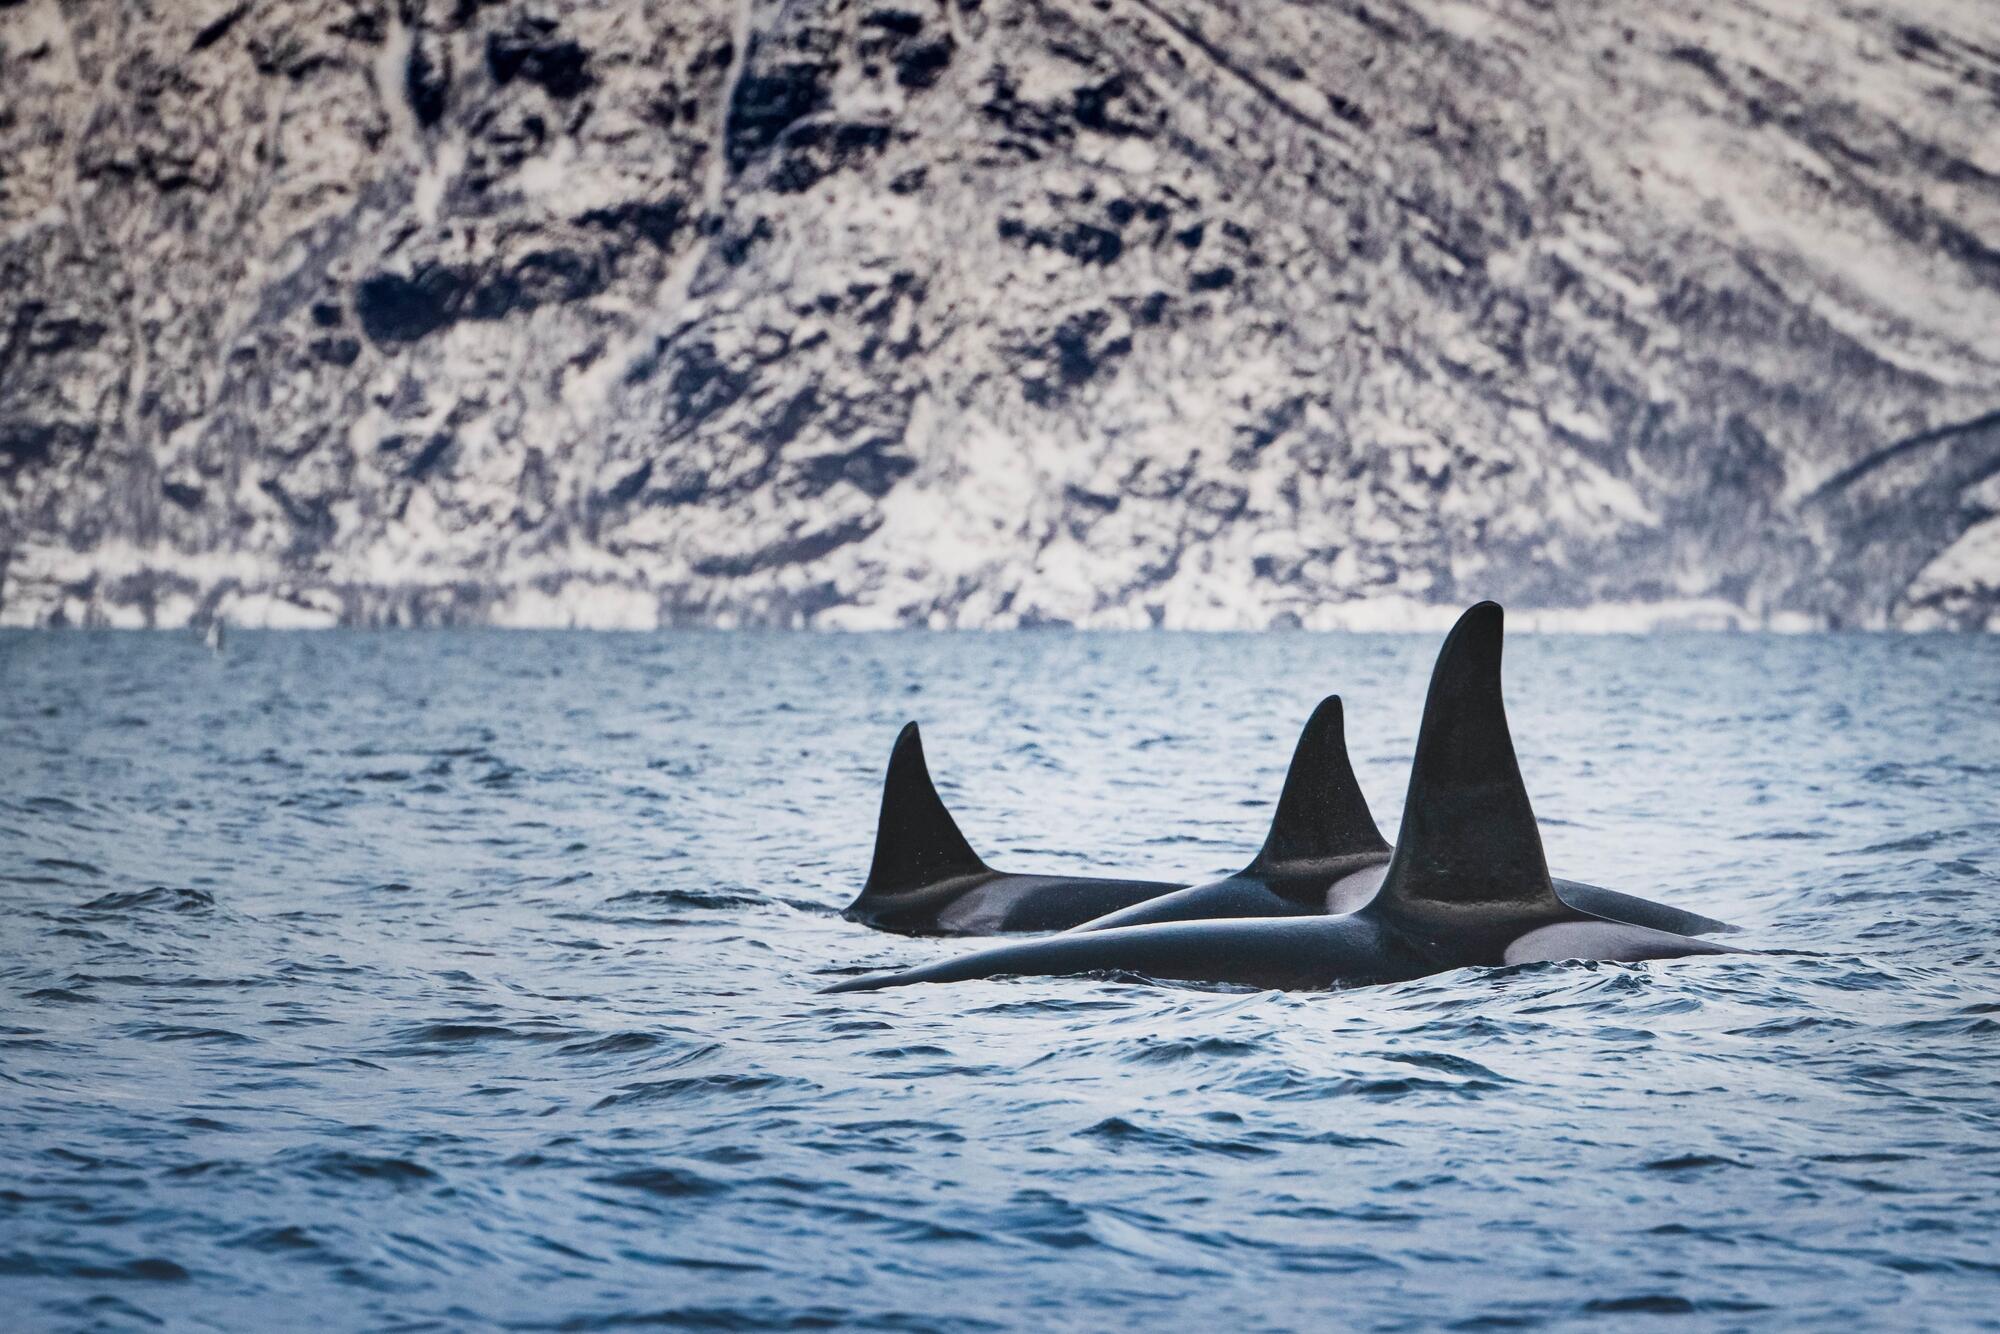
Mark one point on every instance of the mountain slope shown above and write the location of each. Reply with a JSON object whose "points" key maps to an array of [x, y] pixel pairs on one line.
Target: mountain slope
{"points": [[1181, 312]]}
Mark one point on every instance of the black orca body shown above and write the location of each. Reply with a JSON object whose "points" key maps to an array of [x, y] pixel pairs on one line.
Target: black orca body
{"points": [[926, 880], [1241, 896], [1467, 884], [1323, 854], [1325, 857]]}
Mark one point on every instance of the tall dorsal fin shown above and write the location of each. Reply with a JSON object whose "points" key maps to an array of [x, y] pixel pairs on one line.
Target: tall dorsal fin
{"points": [[916, 841], [1321, 813], [1469, 852]]}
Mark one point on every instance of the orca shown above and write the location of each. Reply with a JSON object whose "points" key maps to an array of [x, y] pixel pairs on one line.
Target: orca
{"points": [[926, 880], [1323, 853], [1325, 856], [1467, 885]]}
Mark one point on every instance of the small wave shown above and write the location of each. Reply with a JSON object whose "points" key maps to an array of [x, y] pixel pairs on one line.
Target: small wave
{"points": [[1446, 1063], [148, 1269], [218, 1168], [688, 898], [450, 1035], [1897, 775], [1913, 843], [52, 806], [1473, 1028], [1669, 1303], [694, 1088], [669, 1182], [613, 1044], [1288, 1085], [901, 1130], [756, 1315], [22, 1039], [1173, 1051], [185, 1033], [32, 881], [1691, 1162], [1962, 1025], [159, 898], [1117, 1131], [904, 1053], [337, 1165], [1948, 1264], [163, 981], [1805, 1023], [287, 1239], [64, 864], [1040, 1005]]}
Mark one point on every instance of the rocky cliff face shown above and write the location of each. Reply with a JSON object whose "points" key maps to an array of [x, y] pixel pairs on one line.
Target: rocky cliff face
{"points": [[995, 312]]}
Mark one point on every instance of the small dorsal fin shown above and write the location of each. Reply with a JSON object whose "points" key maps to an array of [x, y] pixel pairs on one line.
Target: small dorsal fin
{"points": [[1469, 851], [916, 841], [1321, 813]]}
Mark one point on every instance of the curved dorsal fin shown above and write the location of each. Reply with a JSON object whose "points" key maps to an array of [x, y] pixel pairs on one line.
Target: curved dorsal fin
{"points": [[916, 840], [1469, 852], [1321, 813]]}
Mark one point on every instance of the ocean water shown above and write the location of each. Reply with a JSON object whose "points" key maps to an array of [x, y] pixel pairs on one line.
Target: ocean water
{"points": [[449, 980]]}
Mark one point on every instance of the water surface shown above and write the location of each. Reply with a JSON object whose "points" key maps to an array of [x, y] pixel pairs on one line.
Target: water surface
{"points": [[431, 980]]}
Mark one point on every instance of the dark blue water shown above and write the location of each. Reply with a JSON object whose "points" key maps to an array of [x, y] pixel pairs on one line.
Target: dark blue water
{"points": [[435, 980]]}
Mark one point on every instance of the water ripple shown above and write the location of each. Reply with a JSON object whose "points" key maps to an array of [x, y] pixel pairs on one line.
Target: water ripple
{"points": [[466, 981]]}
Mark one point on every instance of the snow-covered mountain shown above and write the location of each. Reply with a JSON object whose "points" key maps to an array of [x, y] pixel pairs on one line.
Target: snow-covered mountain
{"points": [[998, 312]]}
